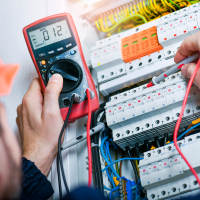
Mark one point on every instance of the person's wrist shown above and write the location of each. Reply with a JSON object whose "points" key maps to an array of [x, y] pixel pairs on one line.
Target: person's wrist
{"points": [[42, 158]]}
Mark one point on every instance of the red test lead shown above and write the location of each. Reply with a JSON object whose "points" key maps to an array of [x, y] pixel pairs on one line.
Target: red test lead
{"points": [[172, 70]]}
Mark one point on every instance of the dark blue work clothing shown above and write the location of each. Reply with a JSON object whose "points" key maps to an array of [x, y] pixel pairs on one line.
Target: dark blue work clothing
{"points": [[36, 186]]}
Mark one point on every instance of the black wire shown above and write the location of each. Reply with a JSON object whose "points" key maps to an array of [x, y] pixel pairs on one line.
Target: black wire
{"points": [[102, 117], [98, 181], [157, 142], [133, 164], [147, 145], [59, 180], [165, 139], [59, 157]]}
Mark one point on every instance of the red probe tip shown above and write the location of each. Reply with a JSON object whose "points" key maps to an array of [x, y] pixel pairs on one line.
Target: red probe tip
{"points": [[150, 84]]}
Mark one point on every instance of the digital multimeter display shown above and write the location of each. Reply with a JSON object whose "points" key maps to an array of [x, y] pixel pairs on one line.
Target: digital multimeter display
{"points": [[50, 34]]}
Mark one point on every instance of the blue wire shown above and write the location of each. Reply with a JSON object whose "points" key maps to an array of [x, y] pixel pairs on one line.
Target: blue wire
{"points": [[110, 175], [108, 155], [107, 188], [110, 179], [110, 195], [116, 195], [186, 132], [137, 189], [110, 164], [105, 158]]}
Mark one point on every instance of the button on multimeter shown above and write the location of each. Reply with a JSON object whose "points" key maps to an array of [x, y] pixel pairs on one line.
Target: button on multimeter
{"points": [[68, 45], [60, 49], [51, 52], [43, 62], [42, 55], [72, 52]]}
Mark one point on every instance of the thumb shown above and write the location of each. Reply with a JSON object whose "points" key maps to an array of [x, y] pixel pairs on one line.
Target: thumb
{"points": [[187, 71], [52, 93]]}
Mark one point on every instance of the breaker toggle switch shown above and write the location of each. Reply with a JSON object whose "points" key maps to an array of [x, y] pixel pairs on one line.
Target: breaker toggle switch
{"points": [[181, 21], [120, 108], [159, 94], [110, 111], [139, 101], [129, 104], [149, 97], [191, 17], [169, 90]]}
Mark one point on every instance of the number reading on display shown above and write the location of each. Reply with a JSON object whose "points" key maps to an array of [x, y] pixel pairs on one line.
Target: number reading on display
{"points": [[49, 34]]}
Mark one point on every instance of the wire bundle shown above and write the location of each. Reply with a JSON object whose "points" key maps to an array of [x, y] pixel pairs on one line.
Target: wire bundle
{"points": [[138, 13], [110, 171]]}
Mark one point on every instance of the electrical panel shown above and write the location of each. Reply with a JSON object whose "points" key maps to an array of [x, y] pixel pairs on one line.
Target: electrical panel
{"points": [[123, 62]]}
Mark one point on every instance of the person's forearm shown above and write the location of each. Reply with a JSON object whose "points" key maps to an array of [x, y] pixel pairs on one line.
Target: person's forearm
{"points": [[35, 184]]}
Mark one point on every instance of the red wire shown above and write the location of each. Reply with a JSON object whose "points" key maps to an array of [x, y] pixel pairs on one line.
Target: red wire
{"points": [[88, 138], [180, 118]]}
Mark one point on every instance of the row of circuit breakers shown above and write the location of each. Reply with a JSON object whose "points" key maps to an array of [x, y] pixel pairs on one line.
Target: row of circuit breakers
{"points": [[137, 54]]}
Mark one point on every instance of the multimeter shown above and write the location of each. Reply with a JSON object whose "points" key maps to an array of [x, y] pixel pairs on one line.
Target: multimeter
{"points": [[55, 47]]}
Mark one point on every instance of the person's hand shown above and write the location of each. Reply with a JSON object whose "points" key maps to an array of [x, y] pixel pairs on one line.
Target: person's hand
{"points": [[189, 46], [39, 122]]}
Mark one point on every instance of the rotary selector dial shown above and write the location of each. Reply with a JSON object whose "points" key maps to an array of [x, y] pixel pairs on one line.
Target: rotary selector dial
{"points": [[70, 71]]}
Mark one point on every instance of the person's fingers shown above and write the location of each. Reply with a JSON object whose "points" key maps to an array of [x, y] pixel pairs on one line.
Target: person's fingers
{"points": [[19, 111], [51, 95], [19, 118], [188, 69], [33, 100], [19, 128], [190, 45]]}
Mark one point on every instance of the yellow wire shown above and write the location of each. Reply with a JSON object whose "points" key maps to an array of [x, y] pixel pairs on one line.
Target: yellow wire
{"points": [[138, 5], [137, 168], [128, 13], [164, 4], [125, 12], [145, 8], [120, 15], [111, 19], [101, 24], [169, 5], [131, 8], [155, 5], [116, 16], [144, 11], [122, 21], [135, 9], [97, 25], [105, 18], [152, 6]]}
